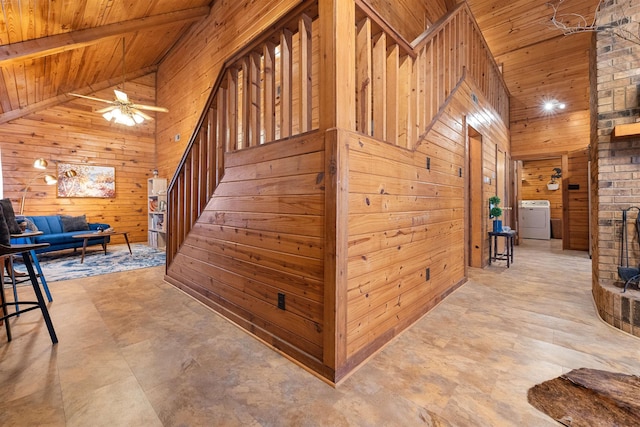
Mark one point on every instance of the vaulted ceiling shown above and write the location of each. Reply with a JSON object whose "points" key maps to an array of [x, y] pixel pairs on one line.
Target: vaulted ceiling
{"points": [[510, 25], [49, 48]]}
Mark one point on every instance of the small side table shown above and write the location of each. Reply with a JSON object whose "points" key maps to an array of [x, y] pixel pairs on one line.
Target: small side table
{"points": [[103, 235], [509, 237]]}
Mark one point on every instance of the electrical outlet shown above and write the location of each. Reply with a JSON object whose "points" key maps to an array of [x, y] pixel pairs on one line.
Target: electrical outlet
{"points": [[281, 304]]}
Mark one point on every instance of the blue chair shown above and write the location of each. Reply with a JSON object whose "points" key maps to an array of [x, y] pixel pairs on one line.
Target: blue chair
{"points": [[25, 238]]}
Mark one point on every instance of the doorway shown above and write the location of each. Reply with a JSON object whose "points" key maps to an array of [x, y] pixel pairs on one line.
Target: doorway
{"points": [[476, 209], [542, 217]]}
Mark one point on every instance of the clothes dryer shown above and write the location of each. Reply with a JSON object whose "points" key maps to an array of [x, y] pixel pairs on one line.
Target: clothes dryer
{"points": [[535, 219]]}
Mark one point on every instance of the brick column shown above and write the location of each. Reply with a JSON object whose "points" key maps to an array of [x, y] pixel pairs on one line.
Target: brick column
{"points": [[615, 166]]}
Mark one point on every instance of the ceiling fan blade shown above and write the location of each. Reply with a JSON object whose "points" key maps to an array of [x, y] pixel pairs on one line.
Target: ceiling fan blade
{"points": [[105, 109], [121, 96], [150, 108], [91, 98], [146, 116]]}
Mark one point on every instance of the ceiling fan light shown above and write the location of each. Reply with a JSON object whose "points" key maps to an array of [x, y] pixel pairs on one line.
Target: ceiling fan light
{"points": [[40, 163], [108, 116], [125, 119], [138, 118]]}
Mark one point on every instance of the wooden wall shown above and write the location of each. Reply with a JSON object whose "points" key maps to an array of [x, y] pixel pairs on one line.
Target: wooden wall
{"points": [[262, 234], [535, 176], [535, 74], [73, 133], [404, 219], [409, 17]]}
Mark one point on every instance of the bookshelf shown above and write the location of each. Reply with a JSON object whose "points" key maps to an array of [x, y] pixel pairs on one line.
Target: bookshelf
{"points": [[157, 212]]}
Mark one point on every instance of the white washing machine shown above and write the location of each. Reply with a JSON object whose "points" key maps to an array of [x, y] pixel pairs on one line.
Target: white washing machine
{"points": [[535, 219]]}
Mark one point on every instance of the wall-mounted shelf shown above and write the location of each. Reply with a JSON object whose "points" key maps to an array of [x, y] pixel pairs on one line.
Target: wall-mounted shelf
{"points": [[626, 130]]}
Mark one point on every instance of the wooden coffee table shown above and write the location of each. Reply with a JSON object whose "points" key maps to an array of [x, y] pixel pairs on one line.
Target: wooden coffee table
{"points": [[98, 234]]}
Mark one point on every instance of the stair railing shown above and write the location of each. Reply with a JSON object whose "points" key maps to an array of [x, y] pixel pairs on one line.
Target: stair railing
{"points": [[402, 86], [263, 93]]}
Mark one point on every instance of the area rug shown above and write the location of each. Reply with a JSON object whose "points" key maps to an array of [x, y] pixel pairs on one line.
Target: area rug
{"points": [[65, 265], [589, 397]]}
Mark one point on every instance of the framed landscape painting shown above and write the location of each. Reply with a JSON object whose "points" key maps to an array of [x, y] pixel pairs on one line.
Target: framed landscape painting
{"points": [[86, 181]]}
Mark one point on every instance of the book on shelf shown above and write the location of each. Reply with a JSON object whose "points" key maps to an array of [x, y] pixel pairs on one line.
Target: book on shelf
{"points": [[157, 222], [153, 239]]}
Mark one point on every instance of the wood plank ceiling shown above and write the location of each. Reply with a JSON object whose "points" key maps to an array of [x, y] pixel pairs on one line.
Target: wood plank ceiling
{"points": [[51, 47], [510, 25]]}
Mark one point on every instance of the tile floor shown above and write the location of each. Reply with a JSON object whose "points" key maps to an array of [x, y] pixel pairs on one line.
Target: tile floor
{"points": [[134, 351]]}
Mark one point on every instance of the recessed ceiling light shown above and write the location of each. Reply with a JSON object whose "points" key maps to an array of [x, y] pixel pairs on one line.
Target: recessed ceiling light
{"points": [[549, 106]]}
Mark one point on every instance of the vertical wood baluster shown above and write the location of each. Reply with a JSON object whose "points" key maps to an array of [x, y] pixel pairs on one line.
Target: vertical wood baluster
{"points": [[379, 72], [269, 55], [286, 72], [304, 30], [232, 110], [363, 76], [253, 107], [393, 65], [222, 142]]}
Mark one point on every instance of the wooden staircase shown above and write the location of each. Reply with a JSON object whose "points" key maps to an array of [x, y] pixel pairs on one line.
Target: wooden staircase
{"points": [[255, 225]]}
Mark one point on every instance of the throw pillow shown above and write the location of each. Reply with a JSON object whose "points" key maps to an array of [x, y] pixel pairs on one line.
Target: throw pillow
{"points": [[10, 216], [5, 237], [74, 223]]}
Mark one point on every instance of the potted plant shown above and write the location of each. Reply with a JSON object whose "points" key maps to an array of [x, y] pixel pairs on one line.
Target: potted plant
{"points": [[553, 184], [495, 212]]}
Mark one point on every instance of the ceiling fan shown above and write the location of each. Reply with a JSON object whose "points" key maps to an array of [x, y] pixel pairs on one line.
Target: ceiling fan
{"points": [[121, 109]]}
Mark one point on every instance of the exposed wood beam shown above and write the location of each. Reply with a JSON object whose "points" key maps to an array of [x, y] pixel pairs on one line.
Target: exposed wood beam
{"points": [[46, 46], [52, 102]]}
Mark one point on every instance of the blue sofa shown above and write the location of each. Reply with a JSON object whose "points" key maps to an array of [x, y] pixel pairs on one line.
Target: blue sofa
{"points": [[58, 239]]}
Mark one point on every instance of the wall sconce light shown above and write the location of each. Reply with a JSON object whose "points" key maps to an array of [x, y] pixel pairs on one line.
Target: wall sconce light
{"points": [[48, 179]]}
